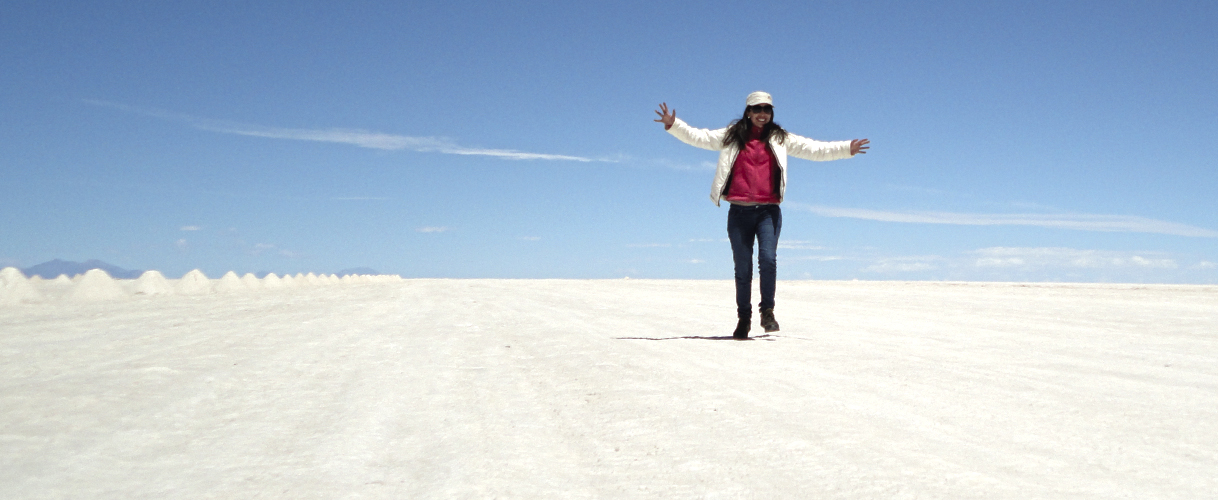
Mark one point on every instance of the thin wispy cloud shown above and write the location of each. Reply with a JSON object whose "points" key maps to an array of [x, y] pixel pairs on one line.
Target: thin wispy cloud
{"points": [[191, 228], [817, 258], [798, 245], [354, 137], [905, 264], [359, 198], [432, 229], [1080, 222]]}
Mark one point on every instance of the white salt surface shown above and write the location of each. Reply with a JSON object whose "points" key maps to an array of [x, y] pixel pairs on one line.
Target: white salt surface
{"points": [[615, 389]]}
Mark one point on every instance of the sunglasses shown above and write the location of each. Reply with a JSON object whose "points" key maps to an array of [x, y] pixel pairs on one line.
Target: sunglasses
{"points": [[762, 108]]}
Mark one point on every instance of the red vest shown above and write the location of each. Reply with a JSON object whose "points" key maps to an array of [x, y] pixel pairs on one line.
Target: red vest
{"points": [[753, 173]]}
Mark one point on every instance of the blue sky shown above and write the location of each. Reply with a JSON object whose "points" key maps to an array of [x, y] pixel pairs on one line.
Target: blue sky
{"points": [[1038, 141]]}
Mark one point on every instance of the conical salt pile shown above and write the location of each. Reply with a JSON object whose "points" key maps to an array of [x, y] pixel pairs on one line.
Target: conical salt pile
{"points": [[348, 279], [194, 283], [272, 281], [288, 281], [10, 273], [152, 283], [62, 279], [312, 280], [230, 283], [15, 289], [96, 286], [251, 281]]}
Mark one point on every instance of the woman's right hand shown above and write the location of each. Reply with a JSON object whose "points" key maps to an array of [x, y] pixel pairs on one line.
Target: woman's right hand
{"points": [[666, 117]]}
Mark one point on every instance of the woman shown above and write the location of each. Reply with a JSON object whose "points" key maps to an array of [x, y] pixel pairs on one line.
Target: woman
{"points": [[752, 177]]}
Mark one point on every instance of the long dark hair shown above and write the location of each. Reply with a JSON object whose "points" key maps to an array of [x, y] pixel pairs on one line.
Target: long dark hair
{"points": [[738, 131]]}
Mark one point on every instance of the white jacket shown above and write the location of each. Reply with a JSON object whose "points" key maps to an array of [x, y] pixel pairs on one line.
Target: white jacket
{"points": [[799, 147]]}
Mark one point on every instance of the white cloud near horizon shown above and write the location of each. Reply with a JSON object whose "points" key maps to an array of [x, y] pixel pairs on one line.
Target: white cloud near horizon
{"points": [[431, 229], [1007, 257], [1039, 262], [1080, 222], [191, 228], [354, 137]]}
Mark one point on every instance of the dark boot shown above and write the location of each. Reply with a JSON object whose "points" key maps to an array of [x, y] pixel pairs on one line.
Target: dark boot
{"points": [[767, 320], [742, 328]]}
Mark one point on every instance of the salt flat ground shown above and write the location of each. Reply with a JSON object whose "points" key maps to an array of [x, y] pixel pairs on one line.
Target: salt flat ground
{"points": [[615, 389]]}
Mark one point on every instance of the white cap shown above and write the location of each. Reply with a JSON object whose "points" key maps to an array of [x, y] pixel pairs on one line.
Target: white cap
{"points": [[758, 97]]}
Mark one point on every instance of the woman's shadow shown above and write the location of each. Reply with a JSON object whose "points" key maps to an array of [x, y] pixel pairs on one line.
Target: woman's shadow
{"points": [[767, 337]]}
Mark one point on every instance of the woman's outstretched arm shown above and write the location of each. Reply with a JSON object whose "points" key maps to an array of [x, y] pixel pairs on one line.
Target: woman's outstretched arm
{"points": [[696, 137]]}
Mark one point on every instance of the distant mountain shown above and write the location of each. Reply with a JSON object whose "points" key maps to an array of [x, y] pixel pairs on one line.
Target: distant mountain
{"points": [[51, 269], [358, 270]]}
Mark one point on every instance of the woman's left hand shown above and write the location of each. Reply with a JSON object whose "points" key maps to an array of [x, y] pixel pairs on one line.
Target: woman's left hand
{"points": [[859, 146]]}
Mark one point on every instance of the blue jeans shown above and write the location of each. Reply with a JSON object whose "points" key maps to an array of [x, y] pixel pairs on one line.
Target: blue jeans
{"points": [[744, 224]]}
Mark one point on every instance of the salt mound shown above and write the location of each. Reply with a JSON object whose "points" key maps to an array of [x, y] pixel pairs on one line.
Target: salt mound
{"points": [[15, 289], [96, 286], [11, 273], [288, 280], [272, 281], [151, 283], [251, 281], [230, 283], [311, 279], [62, 279], [194, 283], [347, 279]]}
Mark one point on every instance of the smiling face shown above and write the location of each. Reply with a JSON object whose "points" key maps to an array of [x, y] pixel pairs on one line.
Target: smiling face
{"points": [[760, 114]]}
